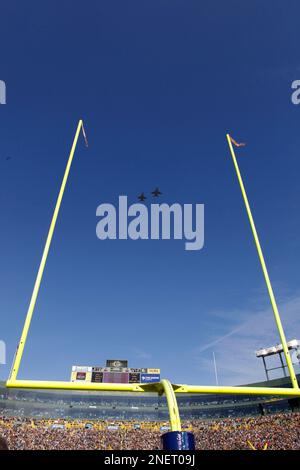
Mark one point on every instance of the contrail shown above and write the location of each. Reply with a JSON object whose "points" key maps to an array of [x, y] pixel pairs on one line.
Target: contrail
{"points": [[213, 343]]}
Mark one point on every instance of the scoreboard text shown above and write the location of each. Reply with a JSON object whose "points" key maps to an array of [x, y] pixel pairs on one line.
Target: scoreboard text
{"points": [[114, 372]]}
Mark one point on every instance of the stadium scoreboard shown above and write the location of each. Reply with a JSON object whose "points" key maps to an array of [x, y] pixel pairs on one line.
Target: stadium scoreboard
{"points": [[115, 371]]}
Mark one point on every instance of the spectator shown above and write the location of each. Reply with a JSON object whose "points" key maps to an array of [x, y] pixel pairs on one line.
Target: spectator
{"points": [[3, 444]]}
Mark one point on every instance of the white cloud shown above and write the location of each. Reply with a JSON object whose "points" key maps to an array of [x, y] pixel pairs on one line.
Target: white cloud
{"points": [[235, 350]]}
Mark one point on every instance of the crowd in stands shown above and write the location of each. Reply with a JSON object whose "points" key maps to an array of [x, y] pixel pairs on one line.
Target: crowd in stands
{"points": [[277, 432]]}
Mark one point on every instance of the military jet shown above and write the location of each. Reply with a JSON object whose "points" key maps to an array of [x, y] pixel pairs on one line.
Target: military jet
{"points": [[156, 192], [142, 197]]}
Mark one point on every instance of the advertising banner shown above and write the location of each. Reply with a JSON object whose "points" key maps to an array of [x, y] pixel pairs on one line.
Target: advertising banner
{"points": [[150, 378]]}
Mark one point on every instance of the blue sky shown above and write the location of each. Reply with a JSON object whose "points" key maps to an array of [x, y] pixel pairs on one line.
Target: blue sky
{"points": [[158, 85]]}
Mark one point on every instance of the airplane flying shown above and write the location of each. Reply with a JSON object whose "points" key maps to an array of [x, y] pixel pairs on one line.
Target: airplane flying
{"points": [[142, 197], [156, 192]]}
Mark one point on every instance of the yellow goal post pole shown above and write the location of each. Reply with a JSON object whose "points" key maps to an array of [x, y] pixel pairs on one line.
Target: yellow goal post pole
{"points": [[158, 387], [172, 405], [21, 345], [264, 269]]}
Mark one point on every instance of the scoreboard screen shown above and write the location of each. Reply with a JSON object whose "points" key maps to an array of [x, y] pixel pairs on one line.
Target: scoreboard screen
{"points": [[97, 377], [116, 371], [115, 377], [80, 376], [134, 378]]}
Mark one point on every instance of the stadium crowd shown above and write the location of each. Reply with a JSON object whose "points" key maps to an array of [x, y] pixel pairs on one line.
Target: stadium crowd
{"points": [[277, 432]]}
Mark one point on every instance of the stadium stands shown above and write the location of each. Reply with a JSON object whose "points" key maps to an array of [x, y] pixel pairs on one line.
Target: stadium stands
{"points": [[276, 432], [41, 419]]}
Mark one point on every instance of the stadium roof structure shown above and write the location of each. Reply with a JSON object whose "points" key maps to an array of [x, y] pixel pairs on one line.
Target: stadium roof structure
{"points": [[165, 386]]}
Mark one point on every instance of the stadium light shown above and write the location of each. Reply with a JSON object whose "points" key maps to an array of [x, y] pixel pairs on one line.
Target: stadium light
{"points": [[292, 345]]}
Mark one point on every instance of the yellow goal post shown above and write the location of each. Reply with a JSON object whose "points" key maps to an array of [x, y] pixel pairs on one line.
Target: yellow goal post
{"points": [[165, 386]]}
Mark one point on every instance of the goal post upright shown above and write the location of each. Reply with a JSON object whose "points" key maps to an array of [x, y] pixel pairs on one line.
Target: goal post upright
{"points": [[264, 269], [35, 292]]}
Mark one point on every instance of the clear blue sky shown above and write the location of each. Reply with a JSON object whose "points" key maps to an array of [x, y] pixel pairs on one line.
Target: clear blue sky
{"points": [[158, 85]]}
